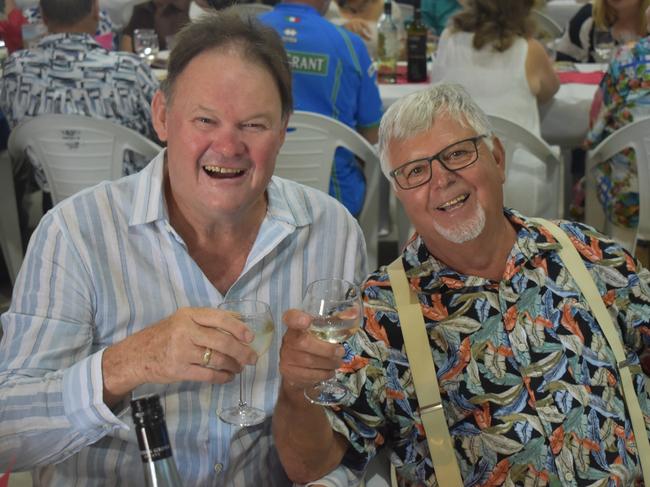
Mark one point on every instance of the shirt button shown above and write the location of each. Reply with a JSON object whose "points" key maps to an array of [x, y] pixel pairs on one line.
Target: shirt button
{"points": [[521, 347], [218, 467], [568, 476]]}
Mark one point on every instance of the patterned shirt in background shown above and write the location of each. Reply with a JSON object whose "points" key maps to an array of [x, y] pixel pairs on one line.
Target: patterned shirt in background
{"points": [[625, 92], [72, 74], [529, 384]]}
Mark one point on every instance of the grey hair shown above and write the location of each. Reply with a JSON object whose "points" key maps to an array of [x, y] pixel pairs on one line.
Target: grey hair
{"points": [[416, 113]]}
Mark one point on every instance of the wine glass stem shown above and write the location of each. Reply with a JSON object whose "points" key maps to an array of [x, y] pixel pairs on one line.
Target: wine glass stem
{"points": [[242, 390]]}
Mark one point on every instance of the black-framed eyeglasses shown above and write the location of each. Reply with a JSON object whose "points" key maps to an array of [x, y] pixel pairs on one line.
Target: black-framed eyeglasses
{"points": [[453, 158]]}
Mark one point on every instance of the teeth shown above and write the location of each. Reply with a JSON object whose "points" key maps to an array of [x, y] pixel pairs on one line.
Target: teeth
{"points": [[222, 170], [454, 201]]}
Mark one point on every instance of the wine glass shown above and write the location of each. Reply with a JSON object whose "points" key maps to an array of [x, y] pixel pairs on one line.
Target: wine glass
{"points": [[258, 318], [145, 44], [604, 45], [336, 309]]}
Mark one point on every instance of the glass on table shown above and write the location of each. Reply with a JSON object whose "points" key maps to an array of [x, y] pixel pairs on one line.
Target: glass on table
{"points": [[337, 310], [257, 316], [604, 45], [145, 44]]}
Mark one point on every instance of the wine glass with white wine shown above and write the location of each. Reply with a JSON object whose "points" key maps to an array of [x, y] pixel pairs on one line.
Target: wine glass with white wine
{"points": [[257, 316], [604, 45], [337, 310]]}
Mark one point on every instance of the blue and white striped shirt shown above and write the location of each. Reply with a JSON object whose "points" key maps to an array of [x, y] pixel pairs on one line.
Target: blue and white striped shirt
{"points": [[106, 263]]}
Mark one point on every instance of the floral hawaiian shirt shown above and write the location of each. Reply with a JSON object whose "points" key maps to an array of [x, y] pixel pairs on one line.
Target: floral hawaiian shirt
{"points": [[529, 384], [625, 91]]}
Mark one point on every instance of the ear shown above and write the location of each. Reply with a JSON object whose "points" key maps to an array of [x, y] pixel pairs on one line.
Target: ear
{"points": [[159, 115], [499, 154]]}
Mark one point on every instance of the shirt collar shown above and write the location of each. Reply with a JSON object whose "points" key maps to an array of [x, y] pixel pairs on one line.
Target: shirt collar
{"points": [[298, 8], [75, 39], [530, 243], [150, 205]]}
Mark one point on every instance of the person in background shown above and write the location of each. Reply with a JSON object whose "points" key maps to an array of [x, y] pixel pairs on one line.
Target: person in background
{"points": [[436, 13], [361, 17], [622, 97], [118, 292], [623, 18], [530, 387], [166, 17], [68, 72], [332, 75], [489, 48]]}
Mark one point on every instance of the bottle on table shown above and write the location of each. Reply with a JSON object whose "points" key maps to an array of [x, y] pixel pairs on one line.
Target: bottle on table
{"points": [[156, 452], [387, 46], [416, 48]]}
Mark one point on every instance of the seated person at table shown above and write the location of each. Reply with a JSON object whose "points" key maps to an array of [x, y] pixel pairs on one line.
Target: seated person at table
{"points": [[622, 97], [361, 17], [69, 73], [118, 293], [332, 75], [507, 72], [624, 20], [166, 17], [529, 385]]}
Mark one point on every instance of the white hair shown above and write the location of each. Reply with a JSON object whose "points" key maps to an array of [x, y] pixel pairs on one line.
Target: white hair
{"points": [[416, 113]]}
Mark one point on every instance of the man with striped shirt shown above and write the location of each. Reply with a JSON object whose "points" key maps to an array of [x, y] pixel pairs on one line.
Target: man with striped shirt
{"points": [[117, 294]]}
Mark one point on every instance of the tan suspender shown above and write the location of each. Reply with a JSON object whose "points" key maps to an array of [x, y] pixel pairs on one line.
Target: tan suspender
{"points": [[425, 380], [576, 267]]}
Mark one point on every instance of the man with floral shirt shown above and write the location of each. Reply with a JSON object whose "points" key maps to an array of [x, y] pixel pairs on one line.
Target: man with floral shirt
{"points": [[69, 72], [529, 385]]}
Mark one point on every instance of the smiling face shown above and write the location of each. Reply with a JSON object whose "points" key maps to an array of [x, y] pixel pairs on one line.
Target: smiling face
{"points": [[454, 207], [223, 127]]}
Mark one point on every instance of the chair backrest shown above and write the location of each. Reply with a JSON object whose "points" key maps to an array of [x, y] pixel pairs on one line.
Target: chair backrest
{"points": [[637, 137], [252, 9], [406, 9], [547, 25], [528, 182], [307, 156], [76, 151]]}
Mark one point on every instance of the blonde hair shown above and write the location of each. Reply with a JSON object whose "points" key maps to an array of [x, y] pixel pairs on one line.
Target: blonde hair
{"points": [[605, 17], [496, 22]]}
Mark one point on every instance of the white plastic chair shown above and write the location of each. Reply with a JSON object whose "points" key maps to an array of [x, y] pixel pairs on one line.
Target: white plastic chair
{"points": [[307, 156], [534, 185], [547, 25], [636, 136], [75, 151], [252, 9]]}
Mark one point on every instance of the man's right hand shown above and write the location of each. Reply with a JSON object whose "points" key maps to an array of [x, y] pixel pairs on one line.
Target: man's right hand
{"points": [[305, 359], [173, 350]]}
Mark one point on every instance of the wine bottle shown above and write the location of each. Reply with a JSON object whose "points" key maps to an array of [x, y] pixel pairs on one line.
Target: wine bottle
{"points": [[387, 46], [416, 48], [156, 452]]}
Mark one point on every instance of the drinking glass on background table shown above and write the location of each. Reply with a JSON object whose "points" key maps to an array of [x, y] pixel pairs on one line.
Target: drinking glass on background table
{"points": [[258, 318], [337, 310], [145, 44], [604, 45]]}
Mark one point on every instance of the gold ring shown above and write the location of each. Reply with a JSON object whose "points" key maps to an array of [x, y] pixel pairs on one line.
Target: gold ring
{"points": [[207, 355]]}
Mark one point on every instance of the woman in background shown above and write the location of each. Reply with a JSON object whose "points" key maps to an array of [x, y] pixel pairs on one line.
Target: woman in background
{"points": [[166, 17], [622, 98], [623, 18], [489, 49]]}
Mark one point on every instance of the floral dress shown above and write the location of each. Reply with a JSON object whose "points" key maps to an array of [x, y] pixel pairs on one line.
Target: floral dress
{"points": [[625, 92]]}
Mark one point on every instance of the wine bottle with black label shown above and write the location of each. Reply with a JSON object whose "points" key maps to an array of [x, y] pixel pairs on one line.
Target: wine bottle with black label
{"points": [[155, 450], [416, 48]]}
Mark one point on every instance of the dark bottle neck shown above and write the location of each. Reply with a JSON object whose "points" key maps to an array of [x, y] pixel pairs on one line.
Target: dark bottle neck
{"points": [[388, 8]]}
